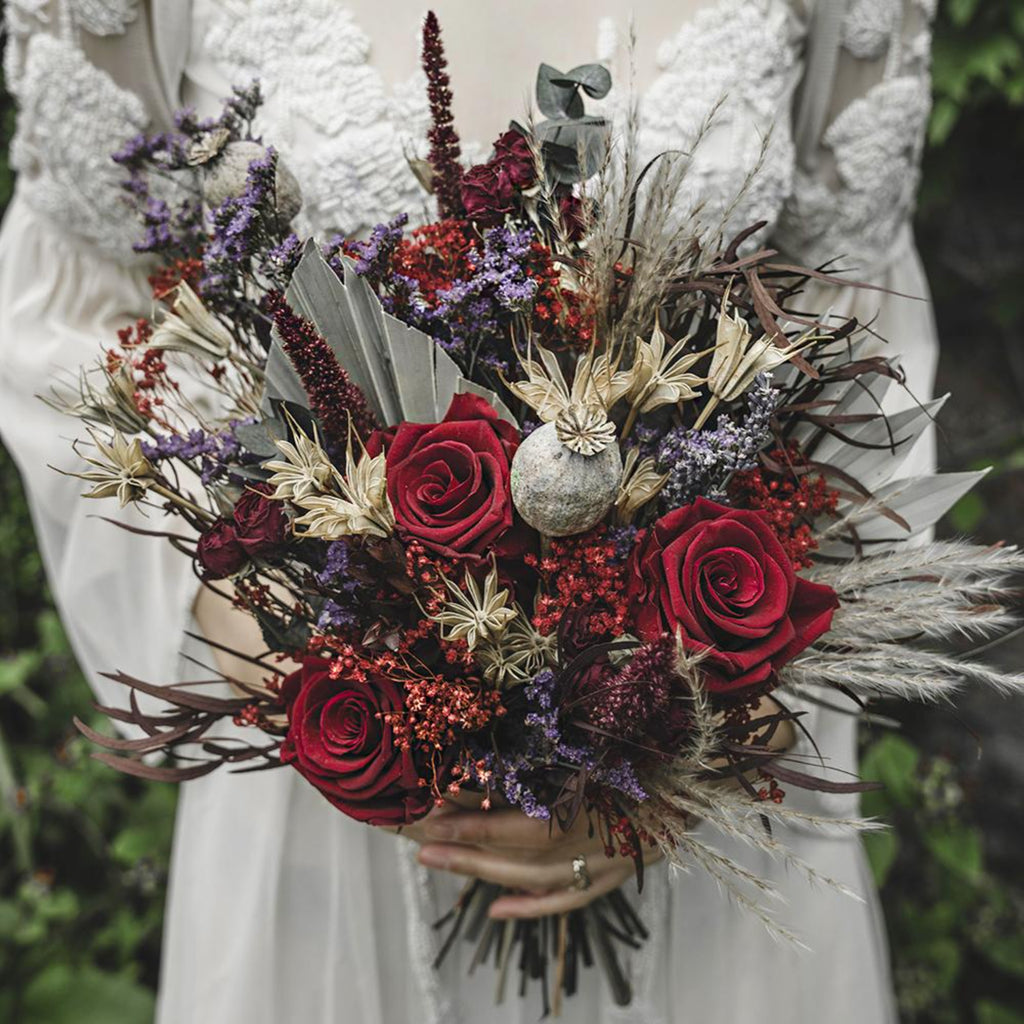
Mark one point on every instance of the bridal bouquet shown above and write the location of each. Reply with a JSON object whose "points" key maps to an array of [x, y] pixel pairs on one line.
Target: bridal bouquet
{"points": [[561, 499]]}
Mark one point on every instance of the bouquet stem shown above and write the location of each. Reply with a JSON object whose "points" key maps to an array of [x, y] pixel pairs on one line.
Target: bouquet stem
{"points": [[552, 951]]}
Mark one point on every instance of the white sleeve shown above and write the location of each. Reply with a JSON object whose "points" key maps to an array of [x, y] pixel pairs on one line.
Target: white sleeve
{"points": [[68, 281]]}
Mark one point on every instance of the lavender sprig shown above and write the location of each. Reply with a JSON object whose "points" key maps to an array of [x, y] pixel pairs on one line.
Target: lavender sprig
{"points": [[700, 462]]}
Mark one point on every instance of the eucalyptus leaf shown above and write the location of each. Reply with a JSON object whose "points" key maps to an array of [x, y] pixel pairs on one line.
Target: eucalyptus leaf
{"points": [[259, 438], [562, 143], [554, 100], [594, 79]]}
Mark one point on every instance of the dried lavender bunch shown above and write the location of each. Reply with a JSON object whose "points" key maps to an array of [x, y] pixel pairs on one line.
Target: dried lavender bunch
{"points": [[700, 462]]}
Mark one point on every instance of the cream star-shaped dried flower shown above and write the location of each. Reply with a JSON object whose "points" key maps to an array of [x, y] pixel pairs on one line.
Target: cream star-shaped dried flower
{"points": [[475, 614], [122, 472], [660, 372], [518, 654], [362, 507], [738, 359], [304, 472]]}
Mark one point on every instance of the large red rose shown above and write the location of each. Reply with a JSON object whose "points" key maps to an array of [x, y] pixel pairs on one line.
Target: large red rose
{"points": [[720, 579], [449, 482], [338, 741]]}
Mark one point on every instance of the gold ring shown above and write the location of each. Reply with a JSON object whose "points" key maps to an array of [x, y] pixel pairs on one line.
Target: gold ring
{"points": [[580, 874]]}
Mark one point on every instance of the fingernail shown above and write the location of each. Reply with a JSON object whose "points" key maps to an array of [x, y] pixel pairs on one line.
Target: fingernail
{"points": [[432, 857]]}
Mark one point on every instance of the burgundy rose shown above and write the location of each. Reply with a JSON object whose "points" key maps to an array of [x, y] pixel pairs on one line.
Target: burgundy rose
{"points": [[219, 551], [259, 522], [487, 192], [721, 579], [513, 155], [449, 482], [338, 740]]}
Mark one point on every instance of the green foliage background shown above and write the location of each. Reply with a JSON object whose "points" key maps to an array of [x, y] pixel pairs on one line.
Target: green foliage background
{"points": [[84, 852]]}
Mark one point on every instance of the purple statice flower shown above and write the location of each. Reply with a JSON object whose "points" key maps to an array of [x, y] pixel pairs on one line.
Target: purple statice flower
{"points": [[374, 256], [335, 616], [374, 259], [700, 462], [217, 453], [339, 609], [279, 263], [239, 110], [546, 744], [477, 309], [240, 229], [624, 538]]}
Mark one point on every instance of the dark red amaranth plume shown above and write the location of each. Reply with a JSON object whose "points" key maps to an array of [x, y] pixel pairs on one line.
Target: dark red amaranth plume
{"points": [[332, 395], [444, 141]]}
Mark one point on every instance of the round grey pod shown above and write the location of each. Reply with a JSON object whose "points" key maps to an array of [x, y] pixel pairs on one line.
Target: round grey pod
{"points": [[225, 176], [560, 492]]}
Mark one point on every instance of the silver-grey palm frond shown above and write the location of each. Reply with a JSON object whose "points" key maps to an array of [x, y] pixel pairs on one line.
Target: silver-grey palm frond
{"points": [[404, 374]]}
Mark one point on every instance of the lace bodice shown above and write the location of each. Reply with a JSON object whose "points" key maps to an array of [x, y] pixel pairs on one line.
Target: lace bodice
{"points": [[854, 194], [347, 134]]}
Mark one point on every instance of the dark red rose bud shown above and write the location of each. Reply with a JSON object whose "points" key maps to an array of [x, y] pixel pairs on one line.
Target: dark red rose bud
{"points": [[449, 482], [259, 522], [487, 193], [339, 741], [513, 155], [719, 578], [219, 552]]}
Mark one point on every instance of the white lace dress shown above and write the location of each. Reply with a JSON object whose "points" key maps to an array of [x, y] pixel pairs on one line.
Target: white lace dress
{"points": [[280, 908]]}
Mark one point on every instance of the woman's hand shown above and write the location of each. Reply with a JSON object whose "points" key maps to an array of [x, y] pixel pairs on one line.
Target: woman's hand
{"points": [[506, 847]]}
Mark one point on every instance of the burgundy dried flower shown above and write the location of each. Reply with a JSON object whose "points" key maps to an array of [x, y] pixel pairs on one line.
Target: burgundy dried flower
{"points": [[332, 395], [444, 141], [513, 155], [487, 193]]}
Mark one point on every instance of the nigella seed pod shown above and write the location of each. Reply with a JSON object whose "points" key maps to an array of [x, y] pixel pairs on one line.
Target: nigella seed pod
{"points": [[558, 491], [224, 177]]}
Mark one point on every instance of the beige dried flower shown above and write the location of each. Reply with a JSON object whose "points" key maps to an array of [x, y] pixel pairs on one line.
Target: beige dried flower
{"points": [[585, 429], [660, 372], [191, 328], [641, 482], [475, 614], [738, 359], [518, 654], [596, 384], [362, 507], [207, 146], [122, 471], [304, 472]]}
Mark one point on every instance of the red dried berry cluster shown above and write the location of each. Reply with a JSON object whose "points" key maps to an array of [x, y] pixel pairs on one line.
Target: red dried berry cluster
{"points": [[167, 278], [559, 316], [436, 256], [582, 572], [438, 710], [146, 366], [792, 503]]}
